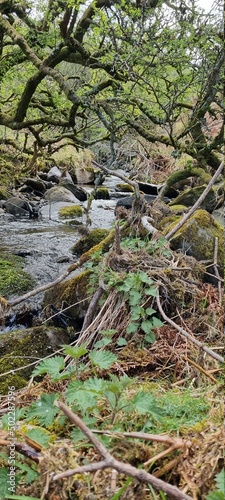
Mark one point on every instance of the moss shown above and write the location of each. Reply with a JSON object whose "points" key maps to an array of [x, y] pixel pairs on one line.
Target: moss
{"points": [[198, 236], [70, 212], [93, 238], [102, 193], [178, 209], [20, 347], [13, 279], [190, 196], [3, 193], [125, 188], [73, 291]]}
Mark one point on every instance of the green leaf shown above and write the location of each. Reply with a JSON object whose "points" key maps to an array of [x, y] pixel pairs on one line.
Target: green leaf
{"points": [[156, 322], [102, 359], [95, 385], [151, 291], [144, 403], [220, 480], [75, 352], [132, 328], [51, 366], [121, 342], [19, 497], [41, 436], [147, 326], [149, 311], [145, 278], [150, 338], [102, 343], [215, 495], [43, 410], [135, 298], [137, 312], [4, 478], [77, 435]]}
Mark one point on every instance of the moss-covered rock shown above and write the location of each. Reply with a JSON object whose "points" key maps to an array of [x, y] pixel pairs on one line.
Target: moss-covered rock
{"points": [[102, 193], [22, 347], [73, 291], [93, 238], [178, 209], [126, 188], [190, 196], [197, 237], [70, 212], [13, 279]]}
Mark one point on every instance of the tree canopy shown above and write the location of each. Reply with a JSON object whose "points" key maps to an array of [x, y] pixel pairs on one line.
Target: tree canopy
{"points": [[89, 71]]}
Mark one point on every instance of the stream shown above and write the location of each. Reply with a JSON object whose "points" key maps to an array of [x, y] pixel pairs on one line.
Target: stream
{"points": [[45, 243]]}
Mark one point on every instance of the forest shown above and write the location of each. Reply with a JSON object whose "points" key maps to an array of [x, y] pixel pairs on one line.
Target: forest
{"points": [[111, 250]]}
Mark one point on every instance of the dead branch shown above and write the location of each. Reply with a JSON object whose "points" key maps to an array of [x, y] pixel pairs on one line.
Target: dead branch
{"points": [[110, 462], [92, 308], [215, 265], [207, 374], [197, 204], [187, 335], [143, 435]]}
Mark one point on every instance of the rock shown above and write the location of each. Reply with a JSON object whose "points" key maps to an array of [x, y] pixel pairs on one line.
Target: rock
{"points": [[102, 193], [126, 188], [90, 240], [154, 189], [35, 343], [188, 198], [85, 175], [70, 212], [197, 237], [36, 185], [70, 292], [79, 192], [128, 200], [54, 174], [59, 193], [20, 208]]}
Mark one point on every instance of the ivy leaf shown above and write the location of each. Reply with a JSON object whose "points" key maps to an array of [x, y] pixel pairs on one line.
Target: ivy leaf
{"points": [[44, 410], [51, 366], [102, 359]]}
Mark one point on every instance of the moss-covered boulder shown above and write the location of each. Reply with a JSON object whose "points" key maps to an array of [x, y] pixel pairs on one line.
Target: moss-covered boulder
{"points": [[70, 212], [90, 240], [197, 237], [125, 188], [21, 347], [13, 279], [102, 193], [190, 196], [73, 291]]}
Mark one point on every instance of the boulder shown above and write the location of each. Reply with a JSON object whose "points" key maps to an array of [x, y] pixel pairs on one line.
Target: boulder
{"points": [[34, 343], [128, 200], [20, 208], [78, 192], [213, 200], [85, 175], [197, 237], [59, 193], [54, 174], [89, 240]]}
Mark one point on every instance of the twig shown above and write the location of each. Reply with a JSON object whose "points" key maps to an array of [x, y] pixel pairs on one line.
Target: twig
{"points": [[187, 335], [92, 308], [207, 374], [110, 462], [143, 435], [197, 204], [162, 454], [215, 265]]}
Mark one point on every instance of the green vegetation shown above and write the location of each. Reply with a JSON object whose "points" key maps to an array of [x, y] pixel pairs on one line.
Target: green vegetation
{"points": [[101, 193], [13, 279], [70, 212], [90, 240]]}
